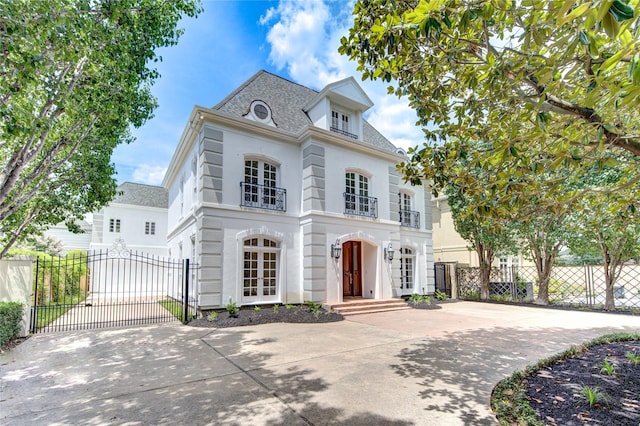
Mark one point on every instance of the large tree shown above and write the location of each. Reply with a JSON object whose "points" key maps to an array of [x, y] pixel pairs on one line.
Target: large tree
{"points": [[561, 75], [476, 217], [607, 224], [74, 76]]}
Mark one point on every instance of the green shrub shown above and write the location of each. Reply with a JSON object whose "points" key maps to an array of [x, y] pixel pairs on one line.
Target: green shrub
{"points": [[233, 309], [441, 295], [417, 299], [470, 295], [314, 308], [594, 396], [10, 318]]}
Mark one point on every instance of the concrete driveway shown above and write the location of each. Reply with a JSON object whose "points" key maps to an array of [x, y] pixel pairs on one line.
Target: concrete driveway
{"points": [[411, 367]]}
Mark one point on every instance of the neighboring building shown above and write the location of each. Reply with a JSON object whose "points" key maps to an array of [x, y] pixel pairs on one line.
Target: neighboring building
{"points": [[137, 216], [450, 247], [69, 240], [284, 194]]}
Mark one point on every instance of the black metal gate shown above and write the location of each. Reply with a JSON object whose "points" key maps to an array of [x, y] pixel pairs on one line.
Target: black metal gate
{"points": [[111, 288], [443, 278]]}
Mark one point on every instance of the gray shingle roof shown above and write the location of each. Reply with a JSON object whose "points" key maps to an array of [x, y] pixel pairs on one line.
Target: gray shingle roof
{"points": [[286, 100], [138, 194]]}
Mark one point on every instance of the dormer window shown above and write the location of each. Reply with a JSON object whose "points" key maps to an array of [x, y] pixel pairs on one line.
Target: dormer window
{"points": [[260, 111], [340, 123]]}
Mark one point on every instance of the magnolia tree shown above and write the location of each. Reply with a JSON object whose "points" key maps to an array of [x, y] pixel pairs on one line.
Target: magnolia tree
{"points": [[486, 234], [559, 78], [603, 228], [75, 75]]}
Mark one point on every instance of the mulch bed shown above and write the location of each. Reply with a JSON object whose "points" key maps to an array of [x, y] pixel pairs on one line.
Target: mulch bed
{"points": [[555, 392], [12, 343], [267, 315], [433, 304]]}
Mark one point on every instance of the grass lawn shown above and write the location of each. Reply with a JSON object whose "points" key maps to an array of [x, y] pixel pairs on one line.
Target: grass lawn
{"points": [[47, 313], [173, 306]]}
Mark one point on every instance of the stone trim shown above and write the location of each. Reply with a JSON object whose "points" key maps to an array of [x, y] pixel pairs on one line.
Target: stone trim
{"points": [[313, 178], [394, 190], [211, 161]]}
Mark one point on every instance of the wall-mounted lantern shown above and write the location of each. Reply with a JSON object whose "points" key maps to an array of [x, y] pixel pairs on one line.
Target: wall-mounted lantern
{"points": [[336, 249], [388, 253]]}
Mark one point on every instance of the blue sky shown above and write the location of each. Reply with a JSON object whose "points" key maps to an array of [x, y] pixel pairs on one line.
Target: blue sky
{"points": [[228, 43]]}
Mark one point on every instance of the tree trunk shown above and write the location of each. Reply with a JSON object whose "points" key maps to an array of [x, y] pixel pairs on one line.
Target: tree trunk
{"points": [[543, 266], [485, 258], [609, 279], [485, 274], [543, 291]]}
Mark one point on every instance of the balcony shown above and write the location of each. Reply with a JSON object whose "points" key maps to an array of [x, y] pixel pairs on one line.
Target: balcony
{"points": [[263, 197], [343, 132], [409, 219], [360, 205]]}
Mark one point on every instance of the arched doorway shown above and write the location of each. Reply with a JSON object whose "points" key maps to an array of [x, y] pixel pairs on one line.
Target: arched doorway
{"points": [[352, 269]]}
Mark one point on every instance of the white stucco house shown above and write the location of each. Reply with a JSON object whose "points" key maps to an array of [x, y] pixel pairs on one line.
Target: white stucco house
{"points": [[136, 217], [284, 194]]}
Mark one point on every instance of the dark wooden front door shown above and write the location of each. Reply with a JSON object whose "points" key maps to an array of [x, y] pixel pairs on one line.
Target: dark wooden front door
{"points": [[351, 268]]}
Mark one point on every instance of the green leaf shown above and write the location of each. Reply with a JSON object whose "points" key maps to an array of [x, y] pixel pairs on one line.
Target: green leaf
{"points": [[542, 119], [634, 69], [621, 11], [613, 60], [584, 38], [575, 13], [611, 26]]}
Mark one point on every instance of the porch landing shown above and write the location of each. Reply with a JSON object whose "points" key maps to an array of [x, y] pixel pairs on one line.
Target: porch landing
{"points": [[358, 305]]}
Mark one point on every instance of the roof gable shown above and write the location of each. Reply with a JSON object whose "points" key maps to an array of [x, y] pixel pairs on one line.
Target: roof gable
{"points": [[346, 92], [138, 194]]}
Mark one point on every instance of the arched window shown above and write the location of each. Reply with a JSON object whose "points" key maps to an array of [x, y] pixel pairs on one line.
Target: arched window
{"points": [[408, 217], [260, 186], [407, 270], [260, 270], [356, 196]]}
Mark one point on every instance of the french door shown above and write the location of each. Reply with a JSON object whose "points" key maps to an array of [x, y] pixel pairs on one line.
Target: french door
{"points": [[260, 270]]}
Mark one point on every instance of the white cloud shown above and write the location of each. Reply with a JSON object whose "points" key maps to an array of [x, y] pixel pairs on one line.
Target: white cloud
{"points": [[304, 38], [151, 175]]}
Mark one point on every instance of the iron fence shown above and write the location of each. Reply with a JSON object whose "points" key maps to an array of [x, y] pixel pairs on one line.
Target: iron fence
{"points": [[111, 288], [568, 285]]}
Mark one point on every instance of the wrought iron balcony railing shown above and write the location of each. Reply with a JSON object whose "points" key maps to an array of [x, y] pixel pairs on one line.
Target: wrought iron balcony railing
{"points": [[360, 205], [410, 219], [263, 197], [343, 132]]}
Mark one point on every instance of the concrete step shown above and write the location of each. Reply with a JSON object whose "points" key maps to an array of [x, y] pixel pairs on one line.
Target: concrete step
{"points": [[371, 311], [369, 306]]}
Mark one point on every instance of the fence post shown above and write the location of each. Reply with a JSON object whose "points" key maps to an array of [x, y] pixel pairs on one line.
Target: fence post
{"points": [[34, 313], [185, 292]]}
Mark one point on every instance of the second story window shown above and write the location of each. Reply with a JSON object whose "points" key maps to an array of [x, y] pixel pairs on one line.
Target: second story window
{"points": [[150, 228], [114, 225], [340, 123], [259, 187], [356, 196], [408, 217]]}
